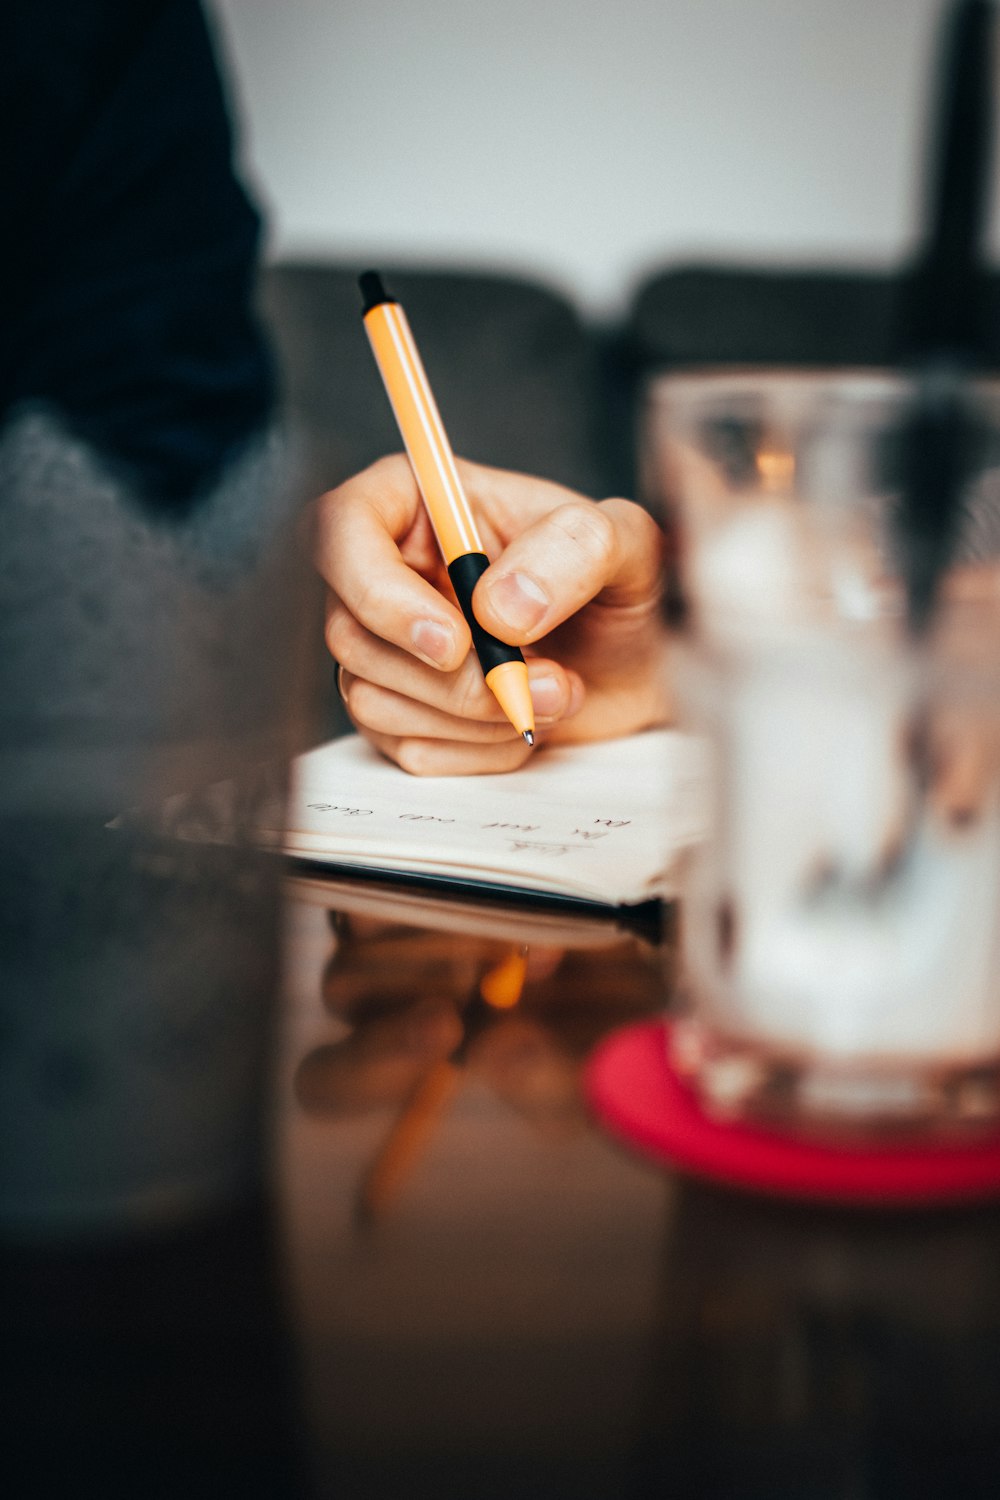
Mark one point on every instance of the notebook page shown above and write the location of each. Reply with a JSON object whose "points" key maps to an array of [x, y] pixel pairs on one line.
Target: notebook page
{"points": [[602, 821]]}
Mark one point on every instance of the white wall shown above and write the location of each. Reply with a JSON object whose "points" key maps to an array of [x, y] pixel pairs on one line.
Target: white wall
{"points": [[584, 140]]}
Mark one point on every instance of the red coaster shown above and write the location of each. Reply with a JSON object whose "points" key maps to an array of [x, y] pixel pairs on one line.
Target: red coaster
{"points": [[634, 1092]]}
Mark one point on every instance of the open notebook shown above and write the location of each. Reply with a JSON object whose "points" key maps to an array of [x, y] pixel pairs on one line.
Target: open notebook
{"points": [[599, 823]]}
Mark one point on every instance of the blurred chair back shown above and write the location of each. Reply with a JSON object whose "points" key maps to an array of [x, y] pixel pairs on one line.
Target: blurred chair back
{"points": [[515, 371]]}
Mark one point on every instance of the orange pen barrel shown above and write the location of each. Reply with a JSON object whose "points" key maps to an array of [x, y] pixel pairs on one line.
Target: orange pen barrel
{"points": [[436, 473], [420, 425]]}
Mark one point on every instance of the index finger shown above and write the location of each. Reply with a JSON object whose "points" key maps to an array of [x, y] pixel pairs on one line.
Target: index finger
{"points": [[360, 529]]}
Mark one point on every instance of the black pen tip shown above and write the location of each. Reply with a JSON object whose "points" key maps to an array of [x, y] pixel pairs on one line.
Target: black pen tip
{"points": [[373, 290], [528, 737]]}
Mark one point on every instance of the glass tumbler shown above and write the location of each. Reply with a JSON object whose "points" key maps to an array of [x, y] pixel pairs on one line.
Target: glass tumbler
{"points": [[841, 922]]}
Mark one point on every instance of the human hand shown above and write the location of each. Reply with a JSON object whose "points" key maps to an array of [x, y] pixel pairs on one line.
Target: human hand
{"points": [[574, 583]]}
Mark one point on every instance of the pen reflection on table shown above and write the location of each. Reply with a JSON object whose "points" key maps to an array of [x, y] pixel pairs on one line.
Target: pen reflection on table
{"points": [[499, 988], [428, 1009]]}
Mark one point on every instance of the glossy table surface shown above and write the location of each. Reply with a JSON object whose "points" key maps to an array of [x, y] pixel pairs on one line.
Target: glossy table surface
{"points": [[452, 1283], [491, 1297]]}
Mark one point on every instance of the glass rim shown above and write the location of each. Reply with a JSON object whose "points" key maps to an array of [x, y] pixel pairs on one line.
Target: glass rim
{"points": [[747, 379]]}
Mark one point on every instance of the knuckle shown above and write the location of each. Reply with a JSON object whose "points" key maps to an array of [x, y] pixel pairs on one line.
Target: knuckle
{"points": [[387, 470], [647, 540], [586, 527], [342, 632], [370, 600], [363, 699], [470, 697], [327, 519], [415, 757]]}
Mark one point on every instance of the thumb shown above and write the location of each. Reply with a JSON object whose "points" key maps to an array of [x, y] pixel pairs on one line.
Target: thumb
{"points": [[575, 553]]}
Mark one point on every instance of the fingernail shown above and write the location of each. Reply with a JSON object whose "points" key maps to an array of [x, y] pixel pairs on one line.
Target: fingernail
{"points": [[518, 600], [547, 696], [432, 641]]}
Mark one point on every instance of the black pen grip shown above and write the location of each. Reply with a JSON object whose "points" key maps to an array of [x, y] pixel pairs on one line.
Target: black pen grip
{"points": [[465, 572]]}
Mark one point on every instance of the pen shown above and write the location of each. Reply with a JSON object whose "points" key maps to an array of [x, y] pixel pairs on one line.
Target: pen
{"points": [[434, 468]]}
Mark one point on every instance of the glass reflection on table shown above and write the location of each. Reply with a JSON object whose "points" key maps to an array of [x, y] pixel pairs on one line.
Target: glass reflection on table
{"points": [[495, 1298]]}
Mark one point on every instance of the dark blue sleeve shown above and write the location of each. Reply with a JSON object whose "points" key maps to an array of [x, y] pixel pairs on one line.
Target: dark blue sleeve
{"points": [[129, 271]]}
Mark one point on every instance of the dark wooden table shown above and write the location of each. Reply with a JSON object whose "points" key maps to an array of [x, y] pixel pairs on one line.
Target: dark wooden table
{"points": [[492, 1298], [452, 1284]]}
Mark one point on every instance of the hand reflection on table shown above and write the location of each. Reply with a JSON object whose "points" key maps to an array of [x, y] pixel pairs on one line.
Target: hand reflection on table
{"points": [[429, 1009]]}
